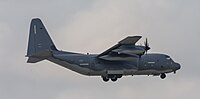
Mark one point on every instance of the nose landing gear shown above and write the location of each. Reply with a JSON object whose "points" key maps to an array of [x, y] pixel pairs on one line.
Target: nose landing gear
{"points": [[175, 72], [163, 76]]}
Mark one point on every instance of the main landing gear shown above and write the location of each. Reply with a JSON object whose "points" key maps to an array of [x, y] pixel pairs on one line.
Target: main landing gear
{"points": [[113, 77], [163, 76], [105, 79]]}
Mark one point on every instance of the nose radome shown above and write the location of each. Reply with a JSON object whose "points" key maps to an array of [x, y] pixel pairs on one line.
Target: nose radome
{"points": [[177, 66]]}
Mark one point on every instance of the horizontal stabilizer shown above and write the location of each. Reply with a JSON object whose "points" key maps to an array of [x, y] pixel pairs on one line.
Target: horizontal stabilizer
{"points": [[33, 60]]}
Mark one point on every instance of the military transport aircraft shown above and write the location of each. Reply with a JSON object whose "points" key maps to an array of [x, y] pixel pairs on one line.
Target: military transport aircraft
{"points": [[124, 58]]}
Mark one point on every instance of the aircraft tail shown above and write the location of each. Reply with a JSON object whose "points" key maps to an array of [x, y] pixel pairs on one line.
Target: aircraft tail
{"points": [[40, 44]]}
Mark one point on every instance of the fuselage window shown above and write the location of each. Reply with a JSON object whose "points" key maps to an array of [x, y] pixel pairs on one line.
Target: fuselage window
{"points": [[151, 62]]}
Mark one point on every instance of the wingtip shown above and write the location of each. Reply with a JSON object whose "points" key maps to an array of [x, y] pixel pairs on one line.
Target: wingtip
{"points": [[134, 37]]}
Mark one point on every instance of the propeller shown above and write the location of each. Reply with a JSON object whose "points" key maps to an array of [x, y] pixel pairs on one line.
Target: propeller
{"points": [[146, 46]]}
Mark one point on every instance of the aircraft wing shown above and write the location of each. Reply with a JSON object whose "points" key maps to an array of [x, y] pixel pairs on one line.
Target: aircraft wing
{"points": [[114, 53], [130, 40]]}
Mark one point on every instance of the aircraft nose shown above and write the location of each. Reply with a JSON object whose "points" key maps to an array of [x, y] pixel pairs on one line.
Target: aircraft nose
{"points": [[177, 66]]}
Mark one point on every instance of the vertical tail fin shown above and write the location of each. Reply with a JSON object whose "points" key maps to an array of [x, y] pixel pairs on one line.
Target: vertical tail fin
{"points": [[40, 43]]}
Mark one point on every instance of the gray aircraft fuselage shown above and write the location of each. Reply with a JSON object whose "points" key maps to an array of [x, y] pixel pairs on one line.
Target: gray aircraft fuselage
{"points": [[122, 59], [86, 64]]}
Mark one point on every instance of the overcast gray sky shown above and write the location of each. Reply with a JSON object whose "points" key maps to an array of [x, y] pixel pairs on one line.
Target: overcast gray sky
{"points": [[172, 27]]}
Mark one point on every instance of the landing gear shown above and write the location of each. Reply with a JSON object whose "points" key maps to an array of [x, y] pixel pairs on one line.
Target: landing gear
{"points": [[174, 72], [119, 76], [112, 77], [105, 79], [163, 75]]}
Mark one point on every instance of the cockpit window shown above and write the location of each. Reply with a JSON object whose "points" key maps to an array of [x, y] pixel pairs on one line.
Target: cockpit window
{"points": [[168, 58]]}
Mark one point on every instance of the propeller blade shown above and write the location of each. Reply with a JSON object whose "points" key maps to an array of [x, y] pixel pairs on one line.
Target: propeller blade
{"points": [[146, 46]]}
